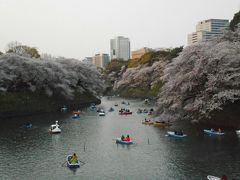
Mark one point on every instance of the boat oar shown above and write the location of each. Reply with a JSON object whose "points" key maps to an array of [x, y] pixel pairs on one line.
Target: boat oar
{"points": [[82, 162], [63, 163]]}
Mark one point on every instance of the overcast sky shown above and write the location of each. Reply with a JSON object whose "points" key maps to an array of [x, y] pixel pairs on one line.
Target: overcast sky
{"points": [[79, 28]]}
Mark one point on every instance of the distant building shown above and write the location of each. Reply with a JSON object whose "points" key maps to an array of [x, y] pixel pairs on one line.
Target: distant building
{"points": [[207, 29], [140, 52], [120, 48], [101, 60], [162, 49], [88, 60]]}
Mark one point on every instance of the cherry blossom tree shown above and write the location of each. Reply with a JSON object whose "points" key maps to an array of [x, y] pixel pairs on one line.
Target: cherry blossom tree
{"points": [[203, 79], [58, 75]]}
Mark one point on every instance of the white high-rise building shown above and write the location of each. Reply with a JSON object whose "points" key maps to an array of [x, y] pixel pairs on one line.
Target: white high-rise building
{"points": [[207, 29], [101, 60], [120, 48]]}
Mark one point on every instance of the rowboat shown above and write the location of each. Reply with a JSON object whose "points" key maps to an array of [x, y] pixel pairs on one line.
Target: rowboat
{"points": [[125, 113], [111, 110], [75, 116], [173, 134], [72, 165], [64, 109], [145, 111], [161, 124], [102, 113], [92, 108], [212, 132], [54, 129], [209, 177], [119, 141], [148, 122], [27, 125]]}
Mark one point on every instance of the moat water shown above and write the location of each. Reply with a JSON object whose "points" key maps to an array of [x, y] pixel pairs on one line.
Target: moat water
{"points": [[35, 154]]}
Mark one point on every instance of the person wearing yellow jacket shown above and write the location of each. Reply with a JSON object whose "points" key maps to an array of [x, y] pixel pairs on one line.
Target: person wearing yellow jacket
{"points": [[74, 158]]}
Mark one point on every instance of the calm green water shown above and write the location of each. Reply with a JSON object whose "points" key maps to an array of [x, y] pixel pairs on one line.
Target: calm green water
{"points": [[36, 154]]}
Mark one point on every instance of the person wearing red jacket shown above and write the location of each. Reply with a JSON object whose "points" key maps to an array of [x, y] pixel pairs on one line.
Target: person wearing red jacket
{"points": [[127, 138]]}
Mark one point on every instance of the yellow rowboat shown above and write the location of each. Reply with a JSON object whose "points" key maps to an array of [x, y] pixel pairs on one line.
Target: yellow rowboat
{"points": [[161, 124], [148, 122]]}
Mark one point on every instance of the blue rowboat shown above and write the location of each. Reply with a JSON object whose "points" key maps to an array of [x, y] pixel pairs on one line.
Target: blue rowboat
{"points": [[27, 125], [93, 108], [76, 116], [119, 141], [72, 165], [173, 134], [211, 132]]}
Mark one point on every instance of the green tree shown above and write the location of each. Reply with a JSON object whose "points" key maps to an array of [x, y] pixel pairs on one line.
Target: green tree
{"points": [[32, 51], [115, 65], [235, 21], [175, 52]]}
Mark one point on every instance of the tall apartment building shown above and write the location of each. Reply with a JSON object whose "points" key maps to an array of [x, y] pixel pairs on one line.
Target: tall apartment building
{"points": [[101, 60], [120, 48], [207, 29], [140, 52]]}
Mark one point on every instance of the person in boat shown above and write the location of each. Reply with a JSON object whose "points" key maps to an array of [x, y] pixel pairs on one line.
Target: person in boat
{"points": [[28, 124], [127, 138], [122, 138], [74, 158], [76, 115], [219, 130], [178, 132], [181, 132], [223, 177]]}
